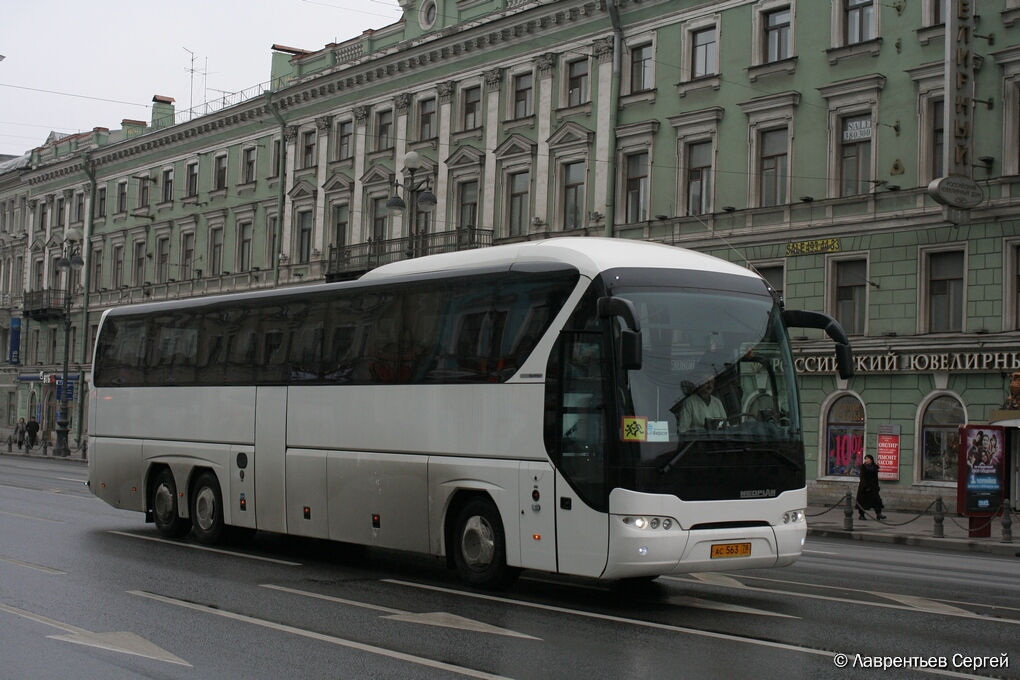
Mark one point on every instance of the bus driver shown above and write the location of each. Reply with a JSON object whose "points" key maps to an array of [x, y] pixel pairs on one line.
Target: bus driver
{"points": [[700, 409]]}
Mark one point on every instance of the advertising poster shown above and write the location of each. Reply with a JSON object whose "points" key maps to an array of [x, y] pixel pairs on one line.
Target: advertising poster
{"points": [[980, 481], [888, 452]]}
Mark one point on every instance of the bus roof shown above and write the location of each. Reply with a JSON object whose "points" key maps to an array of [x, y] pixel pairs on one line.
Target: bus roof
{"points": [[590, 255]]}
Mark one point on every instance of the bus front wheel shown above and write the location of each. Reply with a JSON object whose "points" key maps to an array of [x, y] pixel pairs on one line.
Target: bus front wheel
{"points": [[479, 549], [168, 520], [207, 509]]}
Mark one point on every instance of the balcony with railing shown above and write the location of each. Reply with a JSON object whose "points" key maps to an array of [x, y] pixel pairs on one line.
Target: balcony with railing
{"points": [[45, 304], [350, 262]]}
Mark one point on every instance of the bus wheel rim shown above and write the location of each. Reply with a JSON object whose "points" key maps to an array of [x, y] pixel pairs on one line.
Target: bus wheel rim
{"points": [[205, 508], [478, 543], [163, 504]]}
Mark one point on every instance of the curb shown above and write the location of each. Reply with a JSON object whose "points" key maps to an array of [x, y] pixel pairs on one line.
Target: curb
{"points": [[63, 459], [959, 544]]}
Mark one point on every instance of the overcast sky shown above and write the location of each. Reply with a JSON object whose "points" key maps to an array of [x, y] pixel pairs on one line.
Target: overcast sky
{"points": [[62, 57]]}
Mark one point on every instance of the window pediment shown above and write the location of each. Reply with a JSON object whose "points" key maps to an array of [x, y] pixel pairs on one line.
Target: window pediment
{"points": [[570, 134], [338, 182], [377, 174], [464, 156], [302, 189], [515, 145]]}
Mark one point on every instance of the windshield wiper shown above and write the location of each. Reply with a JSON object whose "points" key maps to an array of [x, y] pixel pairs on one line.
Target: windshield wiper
{"points": [[675, 459]]}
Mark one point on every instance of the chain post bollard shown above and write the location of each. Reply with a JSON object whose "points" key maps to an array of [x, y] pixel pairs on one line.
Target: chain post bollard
{"points": [[10, 444], [45, 447], [848, 513], [940, 518], [1007, 522]]}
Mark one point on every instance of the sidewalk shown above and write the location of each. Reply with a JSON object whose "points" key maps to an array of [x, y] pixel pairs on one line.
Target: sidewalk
{"points": [[902, 528], [910, 528]]}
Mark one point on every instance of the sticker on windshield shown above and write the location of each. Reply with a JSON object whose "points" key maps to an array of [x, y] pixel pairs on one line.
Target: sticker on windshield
{"points": [[658, 430], [635, 429]]}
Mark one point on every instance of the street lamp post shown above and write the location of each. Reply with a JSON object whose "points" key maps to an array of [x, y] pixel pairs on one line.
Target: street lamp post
{"points": [[423, 200], [71, 262]]}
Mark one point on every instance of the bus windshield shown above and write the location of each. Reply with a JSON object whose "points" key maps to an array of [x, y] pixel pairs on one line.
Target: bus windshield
{"points": [[712, 412]]}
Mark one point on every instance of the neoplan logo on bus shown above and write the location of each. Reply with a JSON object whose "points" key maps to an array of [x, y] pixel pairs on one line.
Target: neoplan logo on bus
{"points": [[758, 493]]}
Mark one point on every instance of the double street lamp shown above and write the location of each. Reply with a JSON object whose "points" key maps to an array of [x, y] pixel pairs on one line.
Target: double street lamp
{"points": [[70, 262], [422, 200]]}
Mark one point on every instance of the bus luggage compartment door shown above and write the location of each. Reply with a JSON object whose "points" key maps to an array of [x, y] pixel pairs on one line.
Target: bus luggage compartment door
{"points": [[242, 487]]}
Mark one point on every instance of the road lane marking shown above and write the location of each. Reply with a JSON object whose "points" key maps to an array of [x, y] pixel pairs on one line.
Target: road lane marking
{"points": [[122, 642], [442, 619], [699, 603], [960, 613], [30, 565], [41, 519], [924, 604], [717, 579], [205, 548], [342, 642], [650, 624]]}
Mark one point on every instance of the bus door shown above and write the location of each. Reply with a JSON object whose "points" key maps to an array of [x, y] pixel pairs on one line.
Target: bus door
{"points": [[582, 524]]}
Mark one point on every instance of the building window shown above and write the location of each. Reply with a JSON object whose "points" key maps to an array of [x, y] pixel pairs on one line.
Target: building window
{"points": [[380, 218], [777, 35], [844, 432], [699, 178], [384, 130], [855, 155], [859, 21], [101, 202], [187, 255], [427, 118], [215, 251], [143, 191], [636, 187], [117, 257], [519, 203], [850, 294], [705, 53], [641, 68], [308, 159], [573, 195], [938, 137], [577, 82], [191, 179], [220, 172], [344, 140], [304, 237], [940, 437], [772, 167], [775, 275], [341, 219], [523, 95], [79, 209], [163, 259], [467, 204], [244, 242], [472, 108], [945, 291], [121, 197], [248, 165], [96, 260], [139, 260], [168, 185], [275, 170]]}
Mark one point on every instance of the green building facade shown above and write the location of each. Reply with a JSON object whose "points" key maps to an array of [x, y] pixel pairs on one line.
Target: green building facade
{"points": [[796, 137]]}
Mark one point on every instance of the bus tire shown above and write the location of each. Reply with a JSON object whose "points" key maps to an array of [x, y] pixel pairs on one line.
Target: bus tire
{"points": [[207, 509], [165, 514], [479, 545]]}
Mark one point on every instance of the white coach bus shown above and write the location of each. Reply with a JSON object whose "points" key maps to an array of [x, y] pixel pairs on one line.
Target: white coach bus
{"points": [[597, 407]]}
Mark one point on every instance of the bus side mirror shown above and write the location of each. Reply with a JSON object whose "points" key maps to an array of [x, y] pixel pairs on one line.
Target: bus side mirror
{"points": [[804, 319], [844, 361], [630, 337], [630, 350]]}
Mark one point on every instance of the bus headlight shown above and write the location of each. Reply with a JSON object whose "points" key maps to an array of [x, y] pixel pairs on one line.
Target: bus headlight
{"points": [[649, 522], [793, 516]]}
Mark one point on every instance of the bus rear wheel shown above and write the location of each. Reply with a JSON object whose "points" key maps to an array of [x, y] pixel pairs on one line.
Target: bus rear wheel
{"points": [[207, 509], [479, 546], [168, 520]]}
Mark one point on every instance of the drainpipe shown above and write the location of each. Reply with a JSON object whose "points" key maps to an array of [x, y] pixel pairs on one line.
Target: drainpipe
{"points": [[281, 192], [614, 105], [83, 359]]}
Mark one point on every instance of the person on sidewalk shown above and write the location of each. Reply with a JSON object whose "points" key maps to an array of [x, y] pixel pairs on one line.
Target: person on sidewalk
{"points": [[33, 431], [867, 490], [19, 433]]}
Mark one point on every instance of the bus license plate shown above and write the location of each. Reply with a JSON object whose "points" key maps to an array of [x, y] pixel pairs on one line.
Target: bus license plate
{"points": [[730, 550]]}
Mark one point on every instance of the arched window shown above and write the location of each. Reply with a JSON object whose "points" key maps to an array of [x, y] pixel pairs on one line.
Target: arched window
{"points": [[844, 429], [940, 439]]}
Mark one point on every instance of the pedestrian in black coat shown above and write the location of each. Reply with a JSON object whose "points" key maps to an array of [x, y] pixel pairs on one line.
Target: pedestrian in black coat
{"points": [[867, 490], [32, 429]]}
